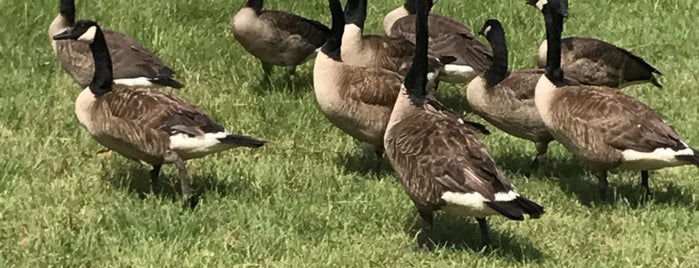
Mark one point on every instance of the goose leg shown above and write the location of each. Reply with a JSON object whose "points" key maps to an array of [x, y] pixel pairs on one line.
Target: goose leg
{"points": [[541, 150], [379, 155], [154, 183], [189, 199], [644, 181], [485, 233], [291, 71], [267, 68], [427, 218], [602, 183]]}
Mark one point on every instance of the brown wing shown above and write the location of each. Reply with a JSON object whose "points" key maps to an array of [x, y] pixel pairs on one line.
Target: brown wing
{"points": [[435, 154], [602, 63], [522, 83], [372, 86], [131, 60], [76, 59], [159, 110], [439, 25], [311, 30], [617, 119]]}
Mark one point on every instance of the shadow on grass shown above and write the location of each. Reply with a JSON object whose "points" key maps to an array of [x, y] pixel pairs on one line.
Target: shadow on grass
{"points": [[297, 88], [574, 179], [135, 178], [365, 162], [450, 232]]}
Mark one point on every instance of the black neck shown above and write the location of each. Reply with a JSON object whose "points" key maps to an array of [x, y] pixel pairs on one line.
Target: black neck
{"points": [[355, 12], [410, 6], [554, 29], [102, 81], [416, 79], [67, 10], [255, 5], [334, 40], [498, 70]]}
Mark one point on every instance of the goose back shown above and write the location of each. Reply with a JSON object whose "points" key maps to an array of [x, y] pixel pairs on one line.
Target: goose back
{"points": [[603, 125], [595, 62], [129, 60], [278, 37]]}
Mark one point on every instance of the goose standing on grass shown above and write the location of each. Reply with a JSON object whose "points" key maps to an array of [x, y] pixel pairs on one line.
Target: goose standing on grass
{"points": [[447, 37], [133, 64], [144, 124], [439, 159], [391, 53], [596, 62], [277, 38], [604, 127], [356, 99], [506, 99]]}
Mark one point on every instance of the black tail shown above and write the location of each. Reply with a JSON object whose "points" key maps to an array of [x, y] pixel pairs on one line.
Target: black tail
{"points": [[515, 209], [654, 81], [692, 159], [167, 81], [244, 141]]}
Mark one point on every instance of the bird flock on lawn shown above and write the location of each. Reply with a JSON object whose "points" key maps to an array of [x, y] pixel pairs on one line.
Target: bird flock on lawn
{"points": [[380, 89]]}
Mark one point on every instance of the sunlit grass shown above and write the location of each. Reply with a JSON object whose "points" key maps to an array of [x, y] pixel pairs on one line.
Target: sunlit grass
{"points": [[310, 198]]}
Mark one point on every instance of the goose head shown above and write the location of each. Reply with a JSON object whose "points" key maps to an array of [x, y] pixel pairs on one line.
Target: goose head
{"points": [[82, 30]]}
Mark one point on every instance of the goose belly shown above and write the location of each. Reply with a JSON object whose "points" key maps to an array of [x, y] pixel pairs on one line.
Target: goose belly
{"points": [[126, 149]]}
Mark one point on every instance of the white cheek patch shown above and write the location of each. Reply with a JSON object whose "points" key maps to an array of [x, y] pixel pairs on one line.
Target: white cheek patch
{"points": [[487, 29], [540, 4], [89, 35]]}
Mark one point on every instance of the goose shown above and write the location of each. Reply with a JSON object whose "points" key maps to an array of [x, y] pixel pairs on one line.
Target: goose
{"points": [[440, 160], [596, 62], [277, 38], [604, 127], [144, 124], [133, 64], [447, 37], [505, 98], [391, 53], [356, 99]]}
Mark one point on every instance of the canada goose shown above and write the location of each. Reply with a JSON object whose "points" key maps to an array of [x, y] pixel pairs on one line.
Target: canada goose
{"points": [[145, 124], [391, 53], [596, 62], [447, 37], [277, 38], [604, 127], [133, 64], [356, 99], [506, 99], [439, 159]]}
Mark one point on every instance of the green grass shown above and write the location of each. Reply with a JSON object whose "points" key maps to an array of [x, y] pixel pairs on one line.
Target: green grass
{"points": [[308, 198]]}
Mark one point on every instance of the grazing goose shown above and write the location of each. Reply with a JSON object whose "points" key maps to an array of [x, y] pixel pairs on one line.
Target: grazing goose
{"points": [[391, 53], [506, 99], [144, 124], [133, 64], [604, 127], [447, 37], [439, 159], [277, 38], [596, 62]]}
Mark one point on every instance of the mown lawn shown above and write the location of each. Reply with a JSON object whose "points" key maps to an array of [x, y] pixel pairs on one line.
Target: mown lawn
{"points": [[310, 198]]}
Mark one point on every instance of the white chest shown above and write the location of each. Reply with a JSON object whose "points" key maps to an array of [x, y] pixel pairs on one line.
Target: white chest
{"points": [[84, 105], [543, 96], [326, 84]]}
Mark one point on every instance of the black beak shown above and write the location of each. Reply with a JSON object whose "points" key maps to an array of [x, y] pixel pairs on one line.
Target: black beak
{"points": [[67, 34], [563, 8]]}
